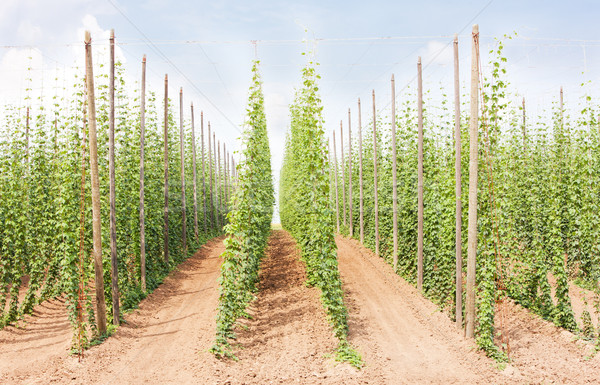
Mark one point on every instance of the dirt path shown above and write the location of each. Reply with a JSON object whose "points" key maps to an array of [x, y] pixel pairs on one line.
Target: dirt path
{"points": [[402, 335], [543, 353], [42, 337], [159, 341], [579, 296], [425, 345], [166, 340], [288, 340]]}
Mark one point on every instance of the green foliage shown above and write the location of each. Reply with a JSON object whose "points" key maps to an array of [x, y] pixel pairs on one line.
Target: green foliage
{"points": [[305, 207], [41, 254], [538, 215], [249, 222]]}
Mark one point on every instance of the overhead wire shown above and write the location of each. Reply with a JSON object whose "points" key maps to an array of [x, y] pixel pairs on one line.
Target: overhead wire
{"points": [[166, 58], [440, 52]]}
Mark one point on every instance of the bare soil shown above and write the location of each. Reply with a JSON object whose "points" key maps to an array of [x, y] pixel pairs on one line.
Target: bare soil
{"points": [[542, 353], [579, 296], [404, 338]]}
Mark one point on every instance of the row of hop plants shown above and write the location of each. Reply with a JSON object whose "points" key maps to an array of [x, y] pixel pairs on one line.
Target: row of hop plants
{"points": [[538, 216], [249, 224], [45, 202], [305, 208]]}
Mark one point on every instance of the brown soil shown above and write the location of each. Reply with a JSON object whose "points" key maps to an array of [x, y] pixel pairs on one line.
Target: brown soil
{"points": [[403, 337], [542, 353], [578, 296], [40, 338]]}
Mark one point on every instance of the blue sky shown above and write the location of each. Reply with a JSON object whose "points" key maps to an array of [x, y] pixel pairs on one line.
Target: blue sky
{"points": [[211, 44]]}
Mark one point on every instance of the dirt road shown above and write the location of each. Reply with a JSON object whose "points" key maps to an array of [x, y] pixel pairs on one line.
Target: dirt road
{"points": [[401, 335]]}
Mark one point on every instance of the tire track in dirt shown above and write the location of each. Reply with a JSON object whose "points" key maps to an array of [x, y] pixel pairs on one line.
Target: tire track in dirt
{"points": [[401, 334], [159, 341], [41, 337]]}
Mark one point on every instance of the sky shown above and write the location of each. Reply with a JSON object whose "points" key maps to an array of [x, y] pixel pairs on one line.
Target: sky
{"points": [[207, 47]]}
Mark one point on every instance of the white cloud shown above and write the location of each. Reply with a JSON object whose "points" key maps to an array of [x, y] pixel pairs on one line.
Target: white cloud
{"points": [[17, 66], [46, 62]]}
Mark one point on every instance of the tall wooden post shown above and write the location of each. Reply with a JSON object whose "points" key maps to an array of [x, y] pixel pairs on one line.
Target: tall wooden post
{"points": [[182, 153], [142, 144], [375, 177], [213, 220], [96, 222], [194, 173], [394, 177], [343, 169], [457, 188], [350, 198], [473, 176], [420, 177], [217, 186], [225, 176], [203, 169], [166, 160], [360, 177], [112, 194], [220, 182], [230, 178], [335, 175]]}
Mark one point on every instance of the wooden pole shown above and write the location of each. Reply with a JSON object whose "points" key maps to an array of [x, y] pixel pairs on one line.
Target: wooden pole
{"points": [[335, 175], [203, 169], [221, 189], [194, 176], [562, 115], [166, 160], [225, 176], [394, 177], [420, 177], [213, 220], [350, 198], [360, 177], [343, 169], [112, 194], [375, 177], [473, 176], [230, 182], [458, 188], [142, 144], [182, 153], [217, 186], [96, 222]]}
